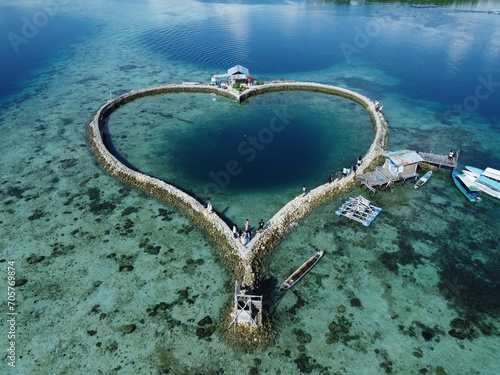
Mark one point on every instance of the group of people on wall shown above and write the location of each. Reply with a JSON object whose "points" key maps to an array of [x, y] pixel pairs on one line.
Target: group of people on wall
{"points": [[246, 235], [346, 171]]}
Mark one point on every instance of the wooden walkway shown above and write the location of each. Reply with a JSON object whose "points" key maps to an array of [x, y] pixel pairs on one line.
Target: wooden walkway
{"points": [[441, 161], [381, 177]]}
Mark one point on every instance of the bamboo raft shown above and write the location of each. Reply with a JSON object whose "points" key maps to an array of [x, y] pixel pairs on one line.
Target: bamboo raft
{"points": [[359, 209], [301, 271]]}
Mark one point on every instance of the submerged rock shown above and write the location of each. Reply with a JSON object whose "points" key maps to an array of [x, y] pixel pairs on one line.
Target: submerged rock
{"points": [[20, 282], [126, 268], [163, 306], [129, 328], [206, 320], [204, 333], [356, 302], [302, 336], [37, 214], [332, 339], [462, 329], [153, 250], [35, 259], [333, 327]]}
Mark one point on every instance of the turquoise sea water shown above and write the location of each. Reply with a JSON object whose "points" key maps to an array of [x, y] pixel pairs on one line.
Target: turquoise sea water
{"points": [[415, 293]]}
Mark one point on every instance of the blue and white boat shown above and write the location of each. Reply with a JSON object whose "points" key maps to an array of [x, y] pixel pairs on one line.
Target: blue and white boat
{"points": [[496, 11], [422, 180], [466, 185], [488, 180]]}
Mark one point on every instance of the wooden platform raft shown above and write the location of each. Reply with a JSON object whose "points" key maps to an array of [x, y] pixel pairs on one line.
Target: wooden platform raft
{"points": [[359, 209]]}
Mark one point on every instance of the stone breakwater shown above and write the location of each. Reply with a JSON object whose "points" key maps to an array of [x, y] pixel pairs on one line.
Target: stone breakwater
{"points": [[244, 261]]}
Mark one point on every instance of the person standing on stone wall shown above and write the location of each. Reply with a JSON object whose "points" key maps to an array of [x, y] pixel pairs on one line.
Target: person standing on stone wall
{"points": [[261, 225]]}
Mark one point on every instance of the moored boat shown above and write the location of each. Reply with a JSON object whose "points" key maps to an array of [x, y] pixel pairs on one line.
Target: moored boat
{"points": [[466, 185], [301, 271], [422, 180], [424, 6], [487, 180]]}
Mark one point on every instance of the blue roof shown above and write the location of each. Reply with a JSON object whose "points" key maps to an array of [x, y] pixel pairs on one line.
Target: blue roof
{"points": [[403, 157], [238, 69]]}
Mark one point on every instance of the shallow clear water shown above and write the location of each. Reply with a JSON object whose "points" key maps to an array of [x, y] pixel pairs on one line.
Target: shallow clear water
{"points": [[428, 259]]}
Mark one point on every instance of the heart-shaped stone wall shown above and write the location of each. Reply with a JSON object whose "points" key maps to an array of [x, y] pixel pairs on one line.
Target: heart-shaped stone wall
{"points": [[244, 260]]}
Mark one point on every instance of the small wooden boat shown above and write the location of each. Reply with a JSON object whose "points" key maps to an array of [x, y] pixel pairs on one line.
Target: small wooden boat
{"points": [[422, 180], [301, 271], [466, 185]]}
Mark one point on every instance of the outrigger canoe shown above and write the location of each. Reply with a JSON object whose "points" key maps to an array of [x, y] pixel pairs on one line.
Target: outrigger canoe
{"points": [[422, 180], [301, 271]]}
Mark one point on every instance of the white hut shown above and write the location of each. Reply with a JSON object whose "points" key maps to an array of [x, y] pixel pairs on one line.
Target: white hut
{"points": [[238, 73], [402, 164]]}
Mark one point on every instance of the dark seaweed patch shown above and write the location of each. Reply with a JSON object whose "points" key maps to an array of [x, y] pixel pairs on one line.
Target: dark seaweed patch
{"points": [[355, 302], [129, 210], [68, 163], [93, 194], [205, 332], [104, 208], [67, 121], [462, 329], [405, 255], [35, 258], [300, 302], [471, 286], [165, 214], [205, 321], [37, 214], [16, 191], [153, 250], [302, 336], [84, 81], [126, 68]]}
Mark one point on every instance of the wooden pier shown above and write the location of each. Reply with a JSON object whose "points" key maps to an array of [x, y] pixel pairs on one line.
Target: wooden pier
{"points": [[441, 161], [381, 177], [401, 166]]}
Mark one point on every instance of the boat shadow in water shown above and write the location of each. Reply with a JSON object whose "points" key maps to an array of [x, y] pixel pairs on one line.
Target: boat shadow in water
{"points": [[271, 294]]}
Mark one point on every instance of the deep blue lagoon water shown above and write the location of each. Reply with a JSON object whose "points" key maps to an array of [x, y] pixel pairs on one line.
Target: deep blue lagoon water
{"points": [[414, 293], [277, 142]]}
